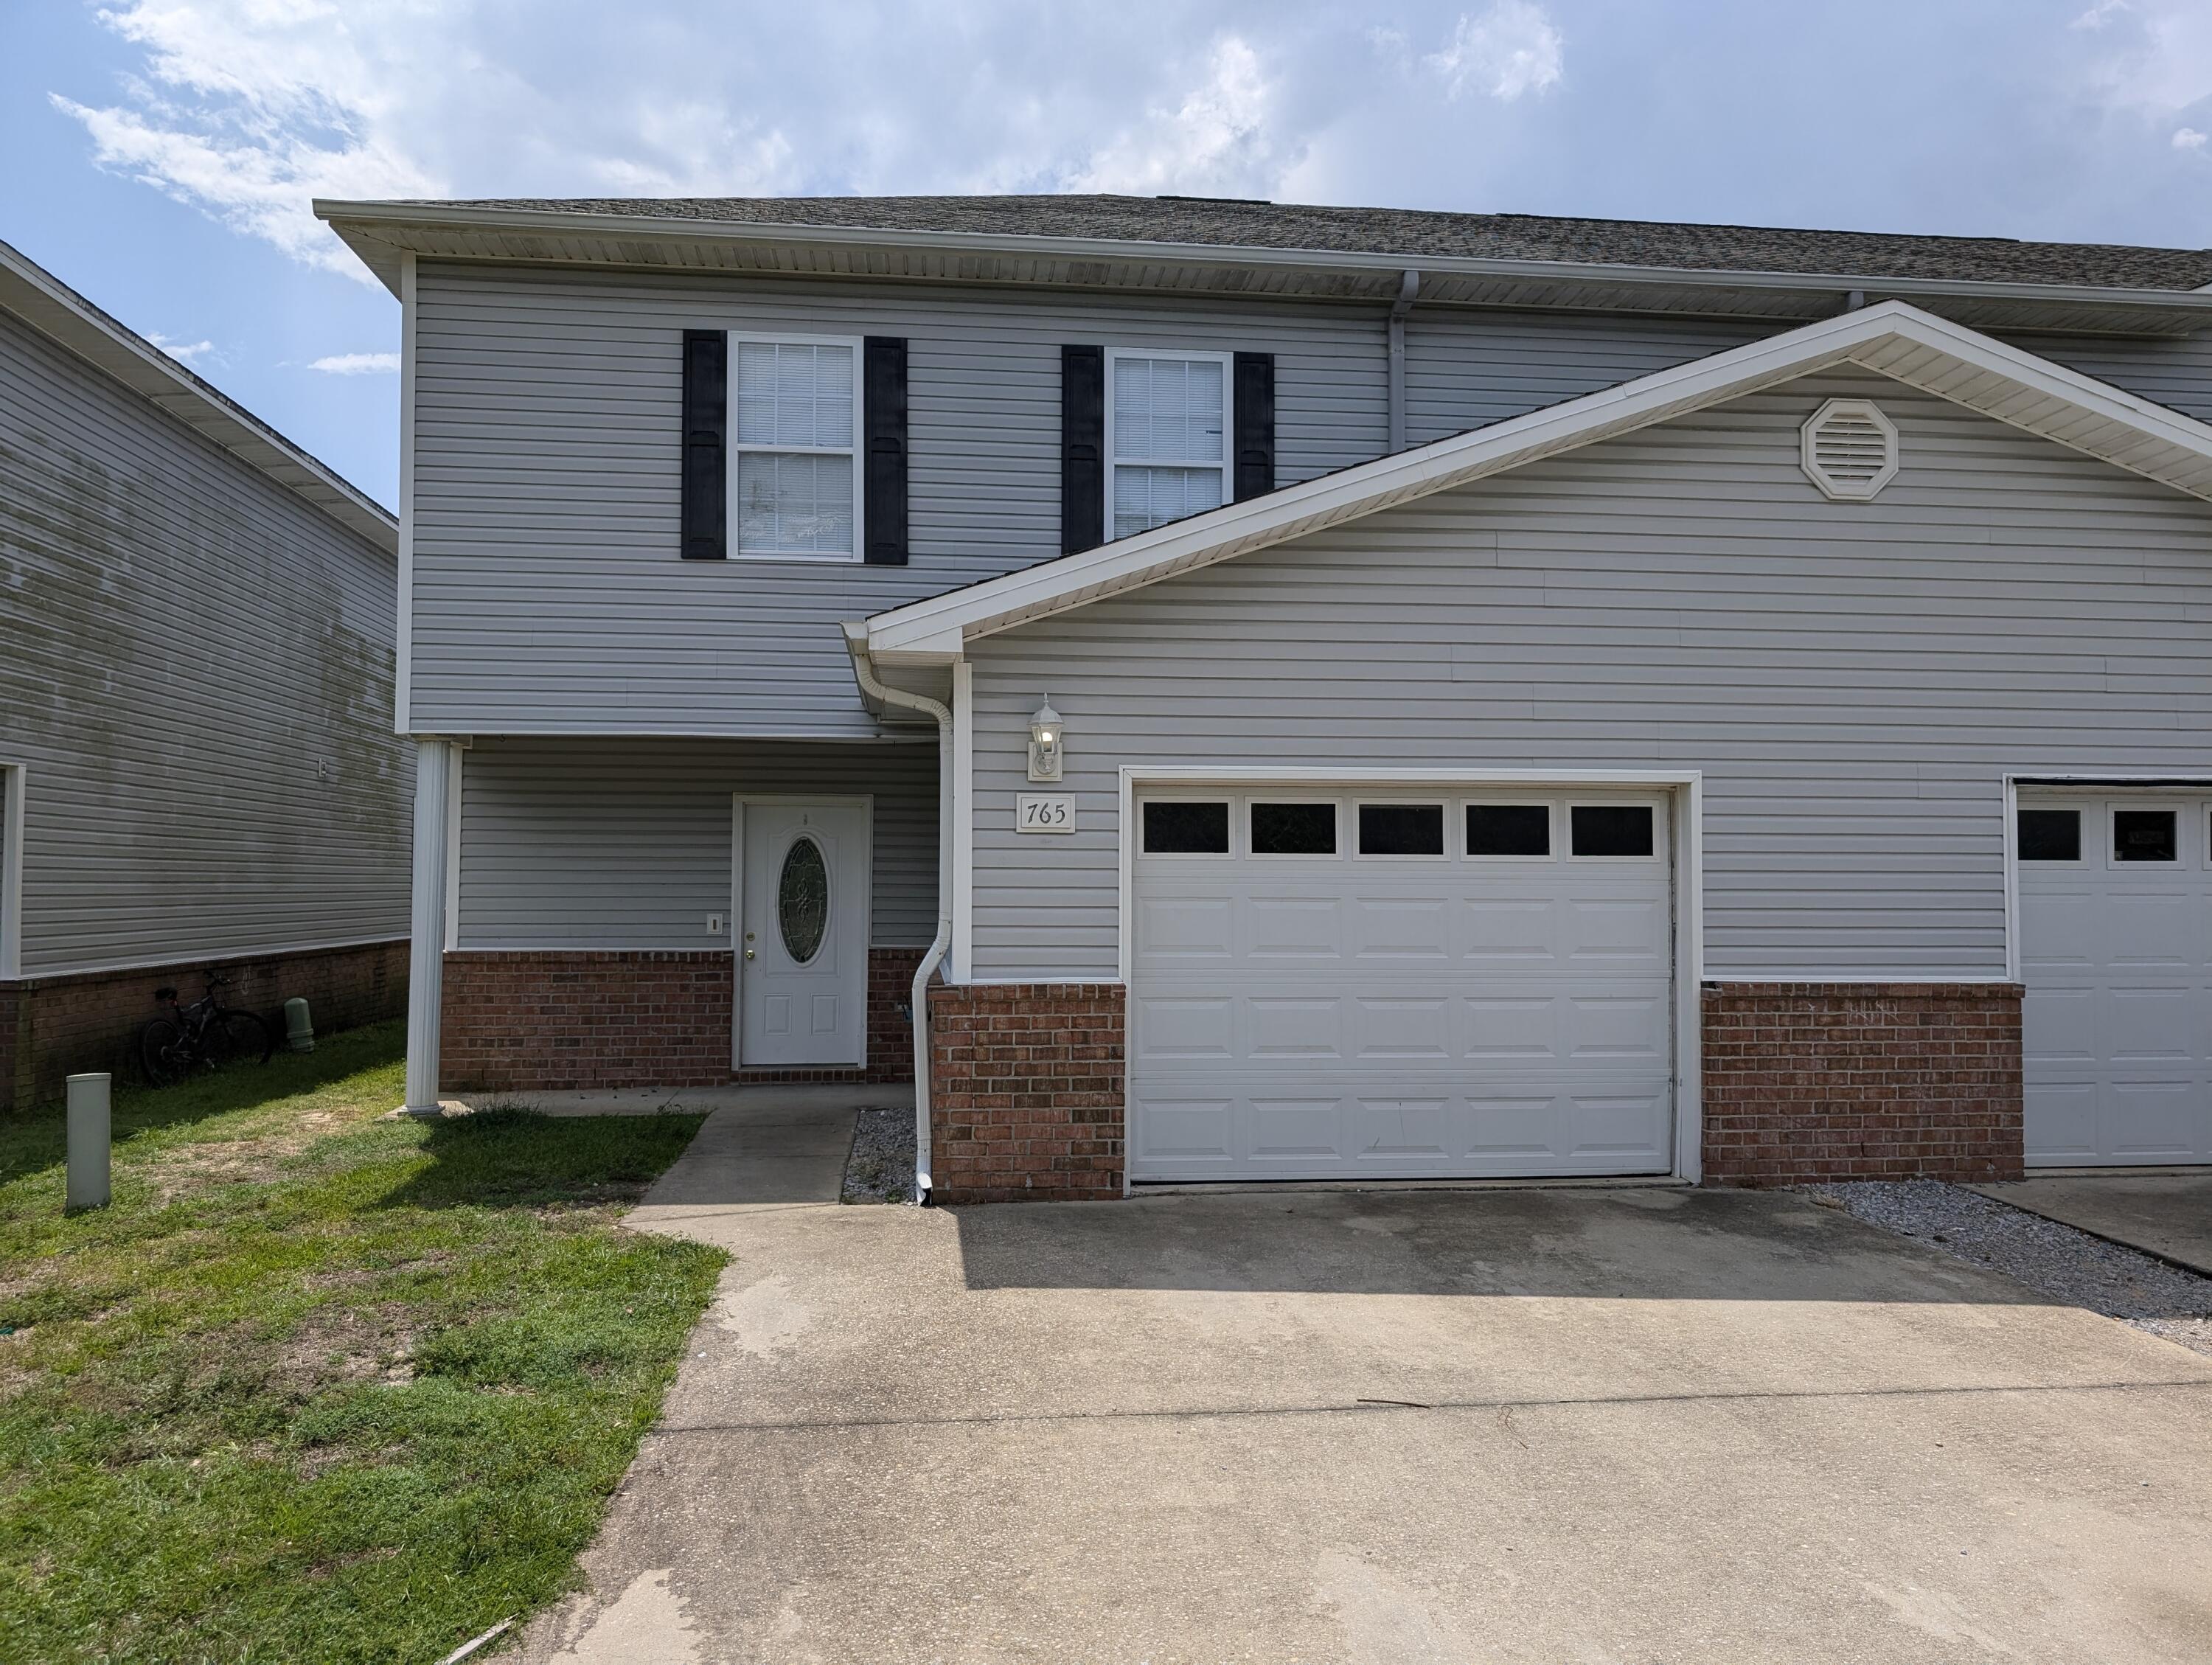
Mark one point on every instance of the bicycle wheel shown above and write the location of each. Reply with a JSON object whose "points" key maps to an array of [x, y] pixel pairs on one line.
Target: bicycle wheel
{"points": [[239, 1037], [162, 1053]]}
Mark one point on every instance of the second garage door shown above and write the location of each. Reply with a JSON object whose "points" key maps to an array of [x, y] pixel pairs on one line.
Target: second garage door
{"points": [[2116, 951], [1395, 985]]}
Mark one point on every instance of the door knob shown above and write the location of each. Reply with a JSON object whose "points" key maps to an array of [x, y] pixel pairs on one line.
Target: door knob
{"points": [[748, 953]]}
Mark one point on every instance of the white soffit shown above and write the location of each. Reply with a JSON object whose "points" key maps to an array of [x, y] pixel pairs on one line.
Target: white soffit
{"points": [[1898, 340]]}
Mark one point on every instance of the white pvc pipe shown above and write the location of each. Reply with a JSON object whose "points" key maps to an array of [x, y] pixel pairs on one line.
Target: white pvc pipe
{"points": [[877, 689], [89, 1143]]}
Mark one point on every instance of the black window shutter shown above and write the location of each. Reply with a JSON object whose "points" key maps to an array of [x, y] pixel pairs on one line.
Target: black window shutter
{"points": [[883, 419], [1255, 448], [1082, 448], [706, 423]]}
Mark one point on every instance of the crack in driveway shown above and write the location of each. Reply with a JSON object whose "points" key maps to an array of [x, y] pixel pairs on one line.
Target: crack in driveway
{"points": [[1370, 1406]]}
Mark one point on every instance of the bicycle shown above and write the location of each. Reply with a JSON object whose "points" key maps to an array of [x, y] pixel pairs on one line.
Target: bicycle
{"points": [[202, 1038]]}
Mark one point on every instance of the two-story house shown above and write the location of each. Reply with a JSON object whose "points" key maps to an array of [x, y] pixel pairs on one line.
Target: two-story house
{"points": [[197, 771], [1319, 693]]}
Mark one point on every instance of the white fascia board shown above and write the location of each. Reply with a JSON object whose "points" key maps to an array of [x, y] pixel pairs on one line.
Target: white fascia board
{"points": [[1894, 339]]}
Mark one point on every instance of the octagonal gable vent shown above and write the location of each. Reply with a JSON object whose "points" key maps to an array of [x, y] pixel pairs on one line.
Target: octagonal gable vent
{"points": [[1850, 449]]}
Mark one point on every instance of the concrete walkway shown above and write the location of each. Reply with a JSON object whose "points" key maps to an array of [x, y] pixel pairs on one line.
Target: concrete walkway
{"points": [[1601, 1426], [2168, 1214]]}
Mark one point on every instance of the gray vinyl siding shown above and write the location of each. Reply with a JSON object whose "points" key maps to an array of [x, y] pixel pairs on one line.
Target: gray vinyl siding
{"points": [[1854, 680], [185, 640], [547, 593], [1468, 370], [594, 843], [2176, 371]]}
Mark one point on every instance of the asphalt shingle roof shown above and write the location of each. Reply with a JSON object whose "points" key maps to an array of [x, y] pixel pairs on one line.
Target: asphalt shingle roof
{"points": [[1411, 233]]}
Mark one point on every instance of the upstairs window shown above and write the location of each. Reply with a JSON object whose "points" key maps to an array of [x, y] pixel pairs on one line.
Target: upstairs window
{"points": [[793, 471], [1167, 434]]}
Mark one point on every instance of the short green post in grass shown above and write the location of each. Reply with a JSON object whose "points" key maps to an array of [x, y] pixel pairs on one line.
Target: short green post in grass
{"points": [[88, 1186]]}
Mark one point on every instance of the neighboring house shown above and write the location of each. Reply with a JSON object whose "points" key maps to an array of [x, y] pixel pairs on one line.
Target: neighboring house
{"points": [[1406, 695], [196, 766]]}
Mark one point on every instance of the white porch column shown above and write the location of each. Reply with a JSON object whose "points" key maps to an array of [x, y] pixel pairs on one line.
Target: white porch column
{"points": [[426, 962]]}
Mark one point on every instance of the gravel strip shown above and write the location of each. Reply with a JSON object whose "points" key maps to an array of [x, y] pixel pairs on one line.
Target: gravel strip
{"points": [[2067, 1265], [881, 1167]]}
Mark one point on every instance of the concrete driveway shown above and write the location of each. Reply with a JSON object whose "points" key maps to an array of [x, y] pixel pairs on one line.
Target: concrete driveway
{"points": [[1594, 1425], [2166, 1213]]}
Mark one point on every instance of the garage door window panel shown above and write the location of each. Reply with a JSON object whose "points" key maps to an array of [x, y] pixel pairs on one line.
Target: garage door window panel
{"points": [[1279, 828], [2049, 835], [2146, 835], [1509, 831], [1404, 831], [1174, 826], [1611, 832]]}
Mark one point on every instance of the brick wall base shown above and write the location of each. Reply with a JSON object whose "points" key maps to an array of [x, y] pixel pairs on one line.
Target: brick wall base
{"points": [[52, 1028], [1025, 1091], [545, 1021], [1811, 1081]]}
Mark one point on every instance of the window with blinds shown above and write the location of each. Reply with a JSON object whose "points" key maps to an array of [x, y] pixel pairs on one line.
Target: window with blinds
{"points": [[1168, 422], [793, 473]]}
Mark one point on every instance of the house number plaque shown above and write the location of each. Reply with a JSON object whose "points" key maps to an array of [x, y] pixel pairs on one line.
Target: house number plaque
{"points": [[1033, 814]]}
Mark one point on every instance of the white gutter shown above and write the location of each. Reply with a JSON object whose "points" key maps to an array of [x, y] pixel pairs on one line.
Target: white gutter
{"points": [[856, 643]]}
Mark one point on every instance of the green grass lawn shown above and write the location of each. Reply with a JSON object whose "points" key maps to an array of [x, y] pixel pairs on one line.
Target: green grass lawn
{"points": [[321, 1386]]}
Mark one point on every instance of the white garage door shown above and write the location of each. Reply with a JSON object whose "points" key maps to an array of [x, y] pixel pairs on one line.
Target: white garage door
{"points": [[2116, 952], [1393, 986]]}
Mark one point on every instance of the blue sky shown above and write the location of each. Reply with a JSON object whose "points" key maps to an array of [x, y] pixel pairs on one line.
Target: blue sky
{"points": [[161, 154]]}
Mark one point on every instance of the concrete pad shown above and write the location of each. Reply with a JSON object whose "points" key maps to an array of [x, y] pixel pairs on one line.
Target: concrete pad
{"points": [[767, 1098], [1530, 1426], [2166, 1214]]}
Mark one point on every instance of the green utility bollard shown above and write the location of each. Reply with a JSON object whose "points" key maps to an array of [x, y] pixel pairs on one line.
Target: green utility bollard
{"points": [[88, 1143], [299, 1032]]}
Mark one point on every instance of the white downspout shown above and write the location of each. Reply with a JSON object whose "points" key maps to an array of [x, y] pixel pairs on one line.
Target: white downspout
{"points": [[856, 642], [1408, 286]]}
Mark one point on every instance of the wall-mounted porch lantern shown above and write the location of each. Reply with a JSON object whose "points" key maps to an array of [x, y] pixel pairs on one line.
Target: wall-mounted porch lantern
{"points": [[1046, 739]]}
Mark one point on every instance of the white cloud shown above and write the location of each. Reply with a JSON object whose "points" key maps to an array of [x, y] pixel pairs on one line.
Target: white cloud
{"points": [[2159, 63], [358, 364], [2099, 14], [185, 352], [2188, 138], [1214, 142], [1511, 49], [248, 109]]}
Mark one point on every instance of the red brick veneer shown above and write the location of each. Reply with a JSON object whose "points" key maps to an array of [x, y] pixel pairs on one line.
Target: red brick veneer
{"points": [[1025, 1091], [1809, 1081], [54, 1027], [546, 1021]]}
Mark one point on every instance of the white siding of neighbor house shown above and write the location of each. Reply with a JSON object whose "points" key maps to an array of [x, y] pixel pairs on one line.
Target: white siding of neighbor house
{"points": [[181, 641], [1853, 679], [626, 844]]}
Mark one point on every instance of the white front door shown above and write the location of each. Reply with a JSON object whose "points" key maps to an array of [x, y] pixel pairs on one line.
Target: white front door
{"points": [[2116, 952], [1389, 984], [802, 932]]}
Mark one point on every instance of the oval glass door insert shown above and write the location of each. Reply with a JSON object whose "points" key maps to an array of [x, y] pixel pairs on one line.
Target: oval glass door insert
{"points": [[802, 900]]}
